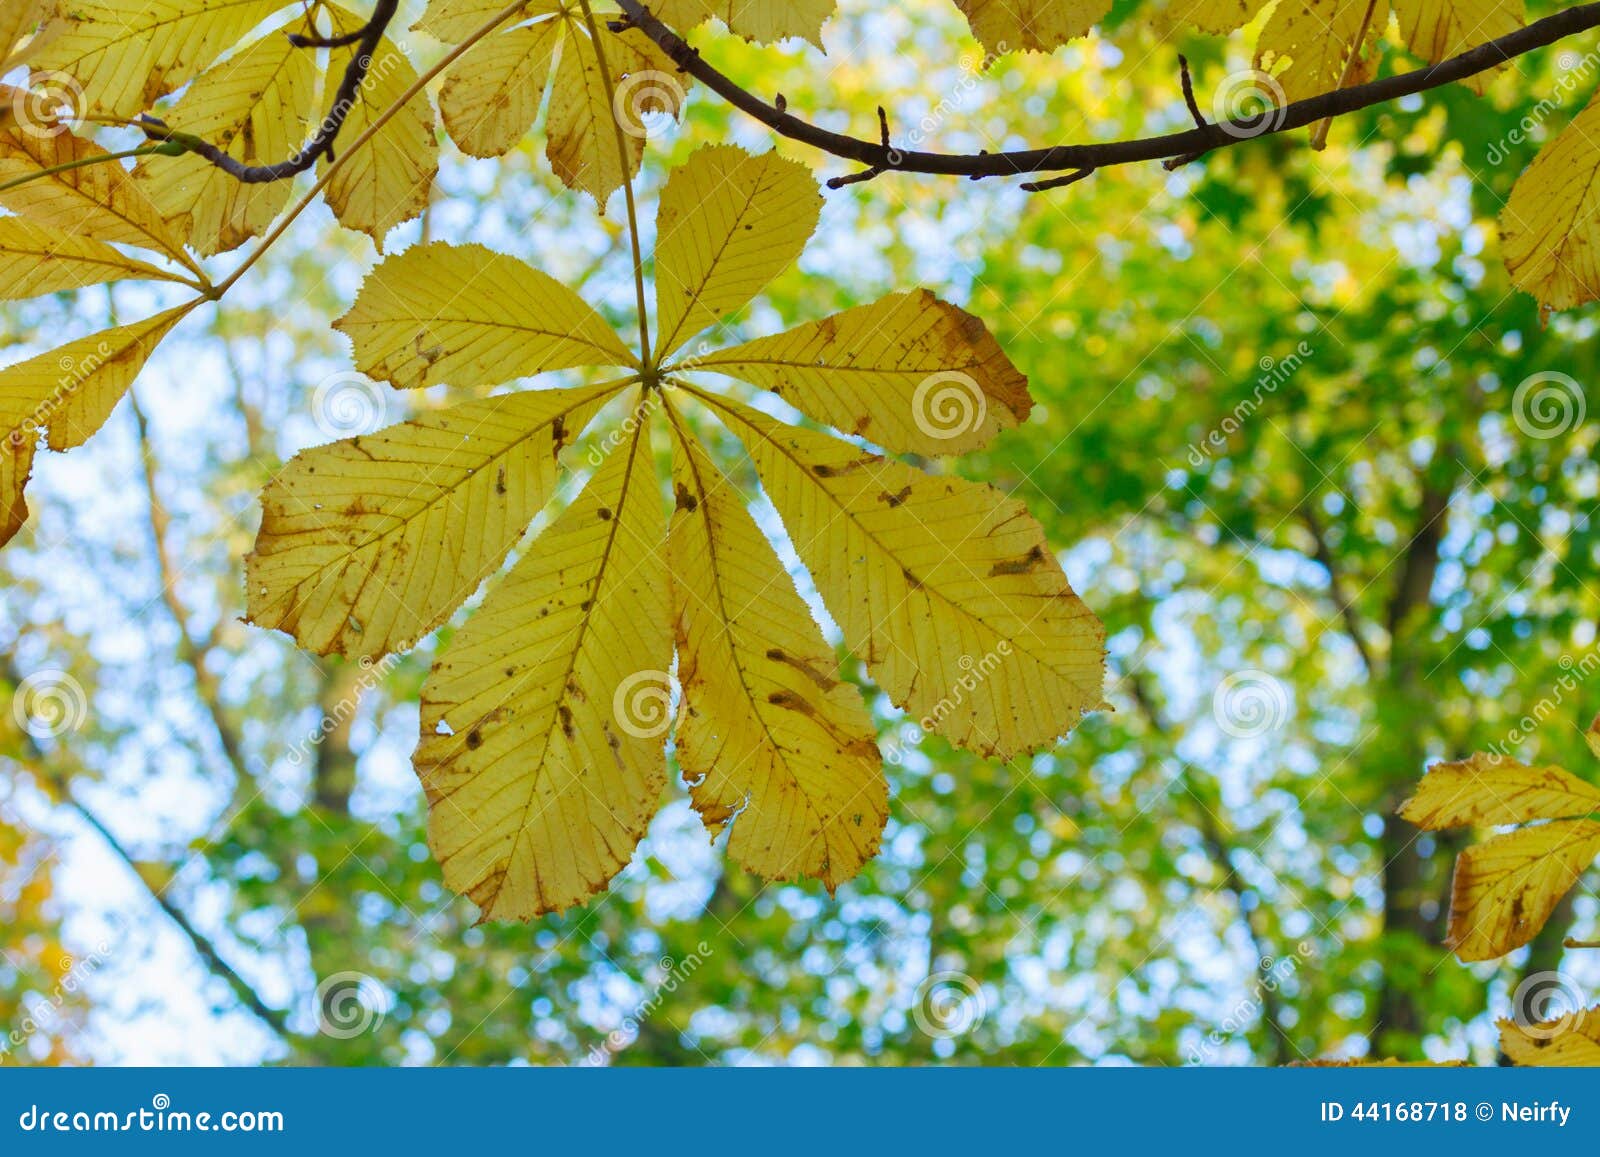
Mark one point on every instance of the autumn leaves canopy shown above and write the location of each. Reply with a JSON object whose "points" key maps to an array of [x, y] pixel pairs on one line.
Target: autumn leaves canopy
{"points": [[640, 586], [544, 721]]}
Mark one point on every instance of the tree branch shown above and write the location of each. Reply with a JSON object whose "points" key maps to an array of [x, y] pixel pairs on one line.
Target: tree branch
{"points": [[61, 783], [366, 39], [1218, 848], [193, 653], [1200, 139], [1336, 589]]}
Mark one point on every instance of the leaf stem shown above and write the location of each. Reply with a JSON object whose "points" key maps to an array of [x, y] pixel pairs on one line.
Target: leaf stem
{"points": [[627, 185], [85, 162], [1319, 135]]}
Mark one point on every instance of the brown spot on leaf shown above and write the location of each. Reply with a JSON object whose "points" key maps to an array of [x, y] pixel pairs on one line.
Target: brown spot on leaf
{"points": [[687, 501], [809, 670], [1031, 561], [791, 702]]}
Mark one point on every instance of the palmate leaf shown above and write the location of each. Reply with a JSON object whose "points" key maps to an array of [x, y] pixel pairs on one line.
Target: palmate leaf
{"points": [[67, 394], [1438, 29], [1571, 1041], [492, 95], [19, 20], [126, 54], [1550, 227], [1506, 887], [763, 21], [1003, 26], [545, 719], [1316, 46]]}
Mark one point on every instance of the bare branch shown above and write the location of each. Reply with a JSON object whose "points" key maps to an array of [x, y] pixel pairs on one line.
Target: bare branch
{"points": [[1060, 158]]}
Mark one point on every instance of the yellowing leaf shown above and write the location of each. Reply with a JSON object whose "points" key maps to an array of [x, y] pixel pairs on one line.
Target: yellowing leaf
{"points": [[545, 721], [1568, 1041], [1003, 26], [452, 21], [1490, 790], [1506, 887], [769, 737], [1317, 46], [68, 392], [36, 259], [259, 107], [491, 97], [128, 53], [390, 180], [16, 466], [584, 117], [763, 21], [20, 19], [1218, 17], [1550, 227], [728, 224], [468, 316], [100, 199], [910, 373], [943, 587], [540, 779], [1439, 29], [368, 544]]}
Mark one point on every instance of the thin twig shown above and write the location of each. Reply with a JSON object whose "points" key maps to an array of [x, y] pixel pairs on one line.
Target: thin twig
{"points": [[1061, 158], [367, 40]]}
